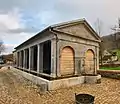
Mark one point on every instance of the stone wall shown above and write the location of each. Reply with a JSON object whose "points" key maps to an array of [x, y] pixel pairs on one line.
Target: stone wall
{"points": [[80, 46], [80, 30]]}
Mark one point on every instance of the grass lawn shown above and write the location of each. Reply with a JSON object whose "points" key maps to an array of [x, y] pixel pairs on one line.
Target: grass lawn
{"points": [[118, 52], [110, 68]]}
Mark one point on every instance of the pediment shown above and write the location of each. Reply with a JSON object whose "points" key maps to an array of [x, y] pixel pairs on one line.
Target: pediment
{"points": [[80, 30]]}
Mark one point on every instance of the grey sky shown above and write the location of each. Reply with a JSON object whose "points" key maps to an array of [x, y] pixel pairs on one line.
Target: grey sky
{"points": [[21, 19]]}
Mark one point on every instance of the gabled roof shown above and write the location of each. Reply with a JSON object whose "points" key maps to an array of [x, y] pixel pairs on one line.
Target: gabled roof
{"points": [[63, 24], [69, 23]]}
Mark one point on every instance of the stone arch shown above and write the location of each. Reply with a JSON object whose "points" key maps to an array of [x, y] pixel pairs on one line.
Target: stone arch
{"points": [[67, 61], [89, 62]]}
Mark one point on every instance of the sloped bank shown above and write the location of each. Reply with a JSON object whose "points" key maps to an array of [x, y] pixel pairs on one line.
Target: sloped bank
{"points": [[109, 73]]}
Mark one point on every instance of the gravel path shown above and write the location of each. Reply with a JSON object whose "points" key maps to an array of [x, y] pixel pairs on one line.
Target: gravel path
{"points": [[14, 89]]}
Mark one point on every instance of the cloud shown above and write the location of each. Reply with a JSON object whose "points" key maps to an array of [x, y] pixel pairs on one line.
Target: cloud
{"points": [[10, 20], [61, 10], [30, 5], [21, 30], [13, 40], [21, 19], [16, 38], [13, 29], [9, 48], [13, 22]]}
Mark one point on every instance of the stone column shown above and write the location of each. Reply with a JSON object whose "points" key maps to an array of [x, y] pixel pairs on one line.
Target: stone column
{"points": [[24, 59], [53, 58], [97, 59], [76, 65], [79, 65], [38, 58], [58, 58], [20, 60], [32, 57], [17, 59], [29, 58]]}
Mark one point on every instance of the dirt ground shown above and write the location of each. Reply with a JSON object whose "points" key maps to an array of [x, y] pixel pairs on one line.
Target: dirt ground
{"points": [[14, 89]]}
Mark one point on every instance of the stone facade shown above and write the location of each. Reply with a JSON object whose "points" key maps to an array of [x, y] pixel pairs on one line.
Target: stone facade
{"points": [[80, 46], [41, 54]]}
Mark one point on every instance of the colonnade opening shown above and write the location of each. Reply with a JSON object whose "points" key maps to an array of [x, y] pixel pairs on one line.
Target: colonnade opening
{"points": [[47, 57], [27, 59], [35, 51]]}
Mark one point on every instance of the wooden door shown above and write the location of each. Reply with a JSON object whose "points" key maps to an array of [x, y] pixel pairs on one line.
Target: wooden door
{"points": [[67, 61], [89, 62]]}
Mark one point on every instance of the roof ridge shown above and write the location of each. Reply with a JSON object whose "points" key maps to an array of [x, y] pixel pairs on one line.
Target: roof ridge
{"points": [[67, 22]]}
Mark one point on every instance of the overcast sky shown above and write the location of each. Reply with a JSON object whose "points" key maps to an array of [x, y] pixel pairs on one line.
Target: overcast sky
{"points": [[21, 19]]}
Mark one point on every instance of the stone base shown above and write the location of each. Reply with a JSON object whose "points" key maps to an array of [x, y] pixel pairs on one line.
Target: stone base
{"points": [[92, 79], [59, 83], [66, 82]]}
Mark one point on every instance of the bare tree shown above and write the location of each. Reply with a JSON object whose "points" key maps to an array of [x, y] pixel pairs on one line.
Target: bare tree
{"points": [[116, 30], [99, 28], [2, 47]]}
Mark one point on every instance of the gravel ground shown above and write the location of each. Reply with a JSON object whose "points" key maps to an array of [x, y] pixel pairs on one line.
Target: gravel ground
{"points": [[14, 89]]}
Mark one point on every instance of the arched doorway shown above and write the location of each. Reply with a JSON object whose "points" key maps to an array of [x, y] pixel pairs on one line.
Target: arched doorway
{"points": [[67, 61], [89, 62]]}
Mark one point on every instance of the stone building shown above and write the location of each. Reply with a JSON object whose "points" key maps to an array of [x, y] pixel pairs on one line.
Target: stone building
{"points": [[61, 55]]}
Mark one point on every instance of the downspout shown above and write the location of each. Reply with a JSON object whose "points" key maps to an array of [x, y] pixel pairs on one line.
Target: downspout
{"points": [[56, 37]]}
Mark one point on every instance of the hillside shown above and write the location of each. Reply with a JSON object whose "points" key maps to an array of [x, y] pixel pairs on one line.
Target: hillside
{"points": [[111, 42]]}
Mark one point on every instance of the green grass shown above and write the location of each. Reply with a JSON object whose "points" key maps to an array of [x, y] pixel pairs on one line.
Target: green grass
{"points": [[110, 68], [118, 52]]}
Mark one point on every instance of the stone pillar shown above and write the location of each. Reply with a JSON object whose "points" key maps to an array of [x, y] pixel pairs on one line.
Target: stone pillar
{"points": [[79, 65], [53, 58], [41, 58], [58, 58], [29, 58], [97, 59], [20, 60], [32, 57], [17, 59], [76, 65], [38, 58], [24, 59]]}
